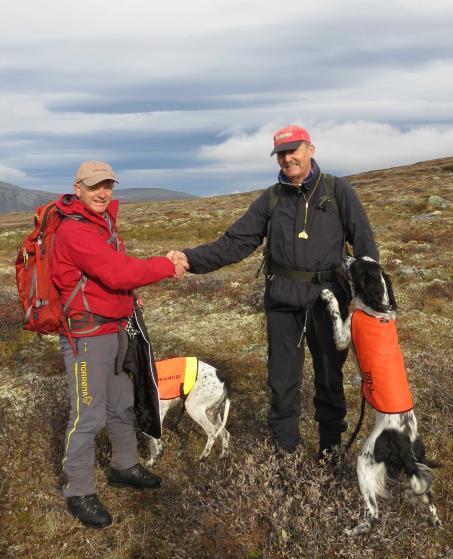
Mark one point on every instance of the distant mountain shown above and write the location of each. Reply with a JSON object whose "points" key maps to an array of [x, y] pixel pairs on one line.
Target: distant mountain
{"points": [[16, 199], [149, 194]]}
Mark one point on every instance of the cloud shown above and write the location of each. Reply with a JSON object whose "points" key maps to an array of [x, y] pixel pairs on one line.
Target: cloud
{"points": [[347, 147], [10, 174], [196, 89]]}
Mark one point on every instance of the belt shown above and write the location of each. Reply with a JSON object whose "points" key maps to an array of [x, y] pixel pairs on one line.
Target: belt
{"points": [[84, 322], [301, 275]]}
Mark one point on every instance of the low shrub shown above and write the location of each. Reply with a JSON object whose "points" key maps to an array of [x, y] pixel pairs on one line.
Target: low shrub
{"points": [[417, 235]]}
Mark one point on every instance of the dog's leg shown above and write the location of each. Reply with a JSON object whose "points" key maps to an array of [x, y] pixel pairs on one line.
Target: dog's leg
{"points": [[220, 423], [412, 457], [341, 329], [155, 445], [371, 476], [197, 411], [421, 488], [203, 405], [427, 498]]}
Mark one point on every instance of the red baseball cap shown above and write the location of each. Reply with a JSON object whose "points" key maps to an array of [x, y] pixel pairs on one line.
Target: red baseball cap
{"points": [[290, 137]]}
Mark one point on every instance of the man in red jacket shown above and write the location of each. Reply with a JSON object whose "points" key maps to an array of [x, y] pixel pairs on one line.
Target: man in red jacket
{"points": [[96, 278]]}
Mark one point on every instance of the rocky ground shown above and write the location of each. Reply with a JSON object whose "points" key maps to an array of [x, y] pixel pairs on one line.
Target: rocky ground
{"points": [[249, 506]]}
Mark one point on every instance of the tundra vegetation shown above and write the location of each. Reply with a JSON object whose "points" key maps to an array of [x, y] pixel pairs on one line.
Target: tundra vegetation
{"points": [[250, 505]]}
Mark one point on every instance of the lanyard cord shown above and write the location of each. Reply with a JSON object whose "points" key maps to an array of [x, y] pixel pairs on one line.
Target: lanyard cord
{"points": [[303, 234], [304, 329]]}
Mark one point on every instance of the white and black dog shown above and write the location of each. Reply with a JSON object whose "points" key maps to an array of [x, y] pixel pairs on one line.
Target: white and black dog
{"points": [[394, 446], [203, 404]]}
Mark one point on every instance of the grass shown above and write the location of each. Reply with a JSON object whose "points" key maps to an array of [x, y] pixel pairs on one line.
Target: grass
{"points": [[249, 506]]}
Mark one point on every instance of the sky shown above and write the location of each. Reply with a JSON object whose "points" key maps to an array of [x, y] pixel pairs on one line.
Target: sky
{"points": [[187, 95]]}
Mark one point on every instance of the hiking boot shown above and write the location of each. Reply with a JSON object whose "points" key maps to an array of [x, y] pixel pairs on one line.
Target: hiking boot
{"points": [[135, 476], [283, 451], [330, 437], [328, 456], [89, 510]]}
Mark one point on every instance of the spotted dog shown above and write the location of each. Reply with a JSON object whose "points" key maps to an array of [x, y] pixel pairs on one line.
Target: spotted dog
{"points": [[394, 446], [202, 396]]}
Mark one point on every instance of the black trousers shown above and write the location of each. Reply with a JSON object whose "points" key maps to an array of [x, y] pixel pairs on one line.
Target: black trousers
{"points": [[285, 368]]}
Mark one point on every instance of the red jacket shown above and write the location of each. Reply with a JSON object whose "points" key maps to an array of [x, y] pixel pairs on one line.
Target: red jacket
{"points": [[82, 246]]}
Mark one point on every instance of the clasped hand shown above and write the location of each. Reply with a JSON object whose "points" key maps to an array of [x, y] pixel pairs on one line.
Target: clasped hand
{"points": [[180, 261]]}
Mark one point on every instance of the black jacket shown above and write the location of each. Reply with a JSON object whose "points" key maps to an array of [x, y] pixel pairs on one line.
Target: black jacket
{"points": [[139, 363], [322, 251]]}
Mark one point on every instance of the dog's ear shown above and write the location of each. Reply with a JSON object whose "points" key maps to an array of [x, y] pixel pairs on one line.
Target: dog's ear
{"points": [[390, 293]]}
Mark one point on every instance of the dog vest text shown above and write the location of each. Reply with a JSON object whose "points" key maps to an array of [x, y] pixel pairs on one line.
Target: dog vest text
{"points": [[384, 379], [176, 377]]}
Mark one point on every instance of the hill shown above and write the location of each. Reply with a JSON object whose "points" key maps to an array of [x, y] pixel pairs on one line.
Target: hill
{"points": [[17, 199], [148, 194], [251, 505]]}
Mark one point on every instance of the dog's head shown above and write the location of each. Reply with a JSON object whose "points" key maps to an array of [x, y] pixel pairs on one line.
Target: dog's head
{"points": [[371, 284]]}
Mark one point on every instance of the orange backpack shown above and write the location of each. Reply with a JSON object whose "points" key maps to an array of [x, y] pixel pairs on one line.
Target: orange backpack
{"points": [[38, 294]]}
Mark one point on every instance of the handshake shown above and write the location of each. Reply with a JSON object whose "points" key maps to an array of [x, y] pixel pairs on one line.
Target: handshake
{"points": [[180, 261]]}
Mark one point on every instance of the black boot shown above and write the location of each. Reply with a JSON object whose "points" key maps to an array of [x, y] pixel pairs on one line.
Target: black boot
{"points": [[89, 510], [135, 476], [329, 438]]}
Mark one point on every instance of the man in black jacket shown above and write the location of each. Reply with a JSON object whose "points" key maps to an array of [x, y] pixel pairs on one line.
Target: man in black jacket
{"points": [[305, 244]]}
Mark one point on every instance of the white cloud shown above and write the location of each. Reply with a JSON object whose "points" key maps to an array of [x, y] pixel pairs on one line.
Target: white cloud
{"points": [[348, 147], [88, 18], [100, 18], [380, 75], [10, 174], [362, 146]]}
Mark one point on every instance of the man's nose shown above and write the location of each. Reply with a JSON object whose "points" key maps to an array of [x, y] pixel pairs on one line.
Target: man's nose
{"points": [[286, 156]]}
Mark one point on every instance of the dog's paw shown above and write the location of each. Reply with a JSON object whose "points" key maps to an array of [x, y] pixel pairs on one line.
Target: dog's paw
{"points": [[436, 522], [326, 295], [154, 457], [362, 528]]}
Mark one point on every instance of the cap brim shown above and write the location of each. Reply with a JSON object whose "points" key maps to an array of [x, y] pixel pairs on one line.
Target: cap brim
{"points": [[91, 181], [287, 146]]}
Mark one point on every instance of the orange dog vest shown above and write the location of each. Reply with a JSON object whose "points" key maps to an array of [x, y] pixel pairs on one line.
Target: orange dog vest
{"points": [[384, 380], [176, 377]]}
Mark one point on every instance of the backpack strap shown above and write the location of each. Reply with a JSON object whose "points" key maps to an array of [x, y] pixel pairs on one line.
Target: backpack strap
{"points": [[274, 190], [113, 233], [80, 286], [329, 183]]}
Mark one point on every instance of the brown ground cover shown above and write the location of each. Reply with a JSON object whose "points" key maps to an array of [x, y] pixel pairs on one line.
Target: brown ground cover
{"points": [[249, 506]]}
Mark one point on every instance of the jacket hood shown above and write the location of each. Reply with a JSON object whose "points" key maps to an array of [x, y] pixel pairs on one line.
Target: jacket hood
{"points": [[69, 205]]}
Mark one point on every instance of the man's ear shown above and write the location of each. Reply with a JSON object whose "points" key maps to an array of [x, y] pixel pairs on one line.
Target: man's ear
{"points": [[77, 189], [311, 150]]}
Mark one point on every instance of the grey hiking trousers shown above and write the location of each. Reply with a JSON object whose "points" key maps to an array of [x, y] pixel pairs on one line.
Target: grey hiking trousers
{"points": [[98, 397]]}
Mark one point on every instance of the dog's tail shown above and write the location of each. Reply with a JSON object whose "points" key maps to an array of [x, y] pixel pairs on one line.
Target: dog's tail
{"points": [[422, 476], [422, 479], [225, 417]]}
